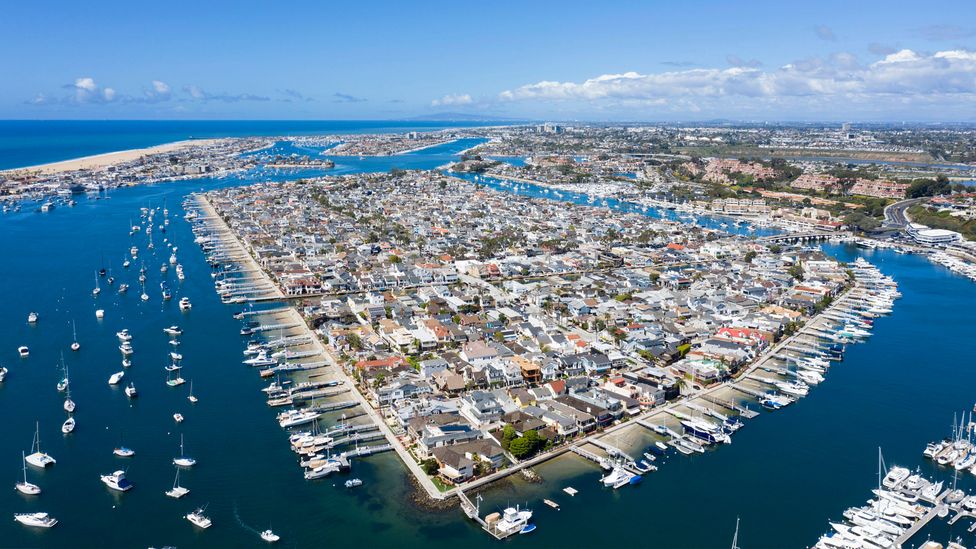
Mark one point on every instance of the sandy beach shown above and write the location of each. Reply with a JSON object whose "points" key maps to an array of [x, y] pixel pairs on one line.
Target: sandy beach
{"points": [[99, 161]]}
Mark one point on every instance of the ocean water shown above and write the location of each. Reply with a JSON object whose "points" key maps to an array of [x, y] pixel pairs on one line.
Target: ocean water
{"points": [[32, 142], [785, 474]]}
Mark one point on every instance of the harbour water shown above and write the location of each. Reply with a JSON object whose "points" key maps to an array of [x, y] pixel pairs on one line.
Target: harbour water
{"points": [[785, 475]]}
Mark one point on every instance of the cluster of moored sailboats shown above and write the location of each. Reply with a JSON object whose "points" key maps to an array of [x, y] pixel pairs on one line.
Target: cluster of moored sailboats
{"points": [[118, 480], [958, 451], [898, 505]]}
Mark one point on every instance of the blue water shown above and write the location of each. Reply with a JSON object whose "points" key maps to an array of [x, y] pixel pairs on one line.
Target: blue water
{"points": [[785, 475], [32, 142]]}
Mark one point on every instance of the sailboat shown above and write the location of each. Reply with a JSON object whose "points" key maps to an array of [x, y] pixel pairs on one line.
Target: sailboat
{"points": [[27, 487], [63, 384], [177, 491], [69, 405], [122, 450], [68, 426], [37, 457], [735, 537], [184, 460], [192, 398], [74, 337], [97, 289]]}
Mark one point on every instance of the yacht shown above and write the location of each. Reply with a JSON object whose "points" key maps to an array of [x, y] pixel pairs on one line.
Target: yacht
{"points": [[173, 330], [269, 536], [116, 378], [895, 476], [330, 466], [37, 458], [126, 349], [23, 351], [617, 478], [131, 391], [293, 418], [514, 520], [185, 304], [40, 520], [117, 481], [177, 491], [199, 519], [704, 430], [25, 487], [124, 336], [68, 425], [262, 359], [184, 460], [175, 356]]}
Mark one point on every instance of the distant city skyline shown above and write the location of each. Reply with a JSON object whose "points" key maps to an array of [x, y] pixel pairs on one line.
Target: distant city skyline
{"points": [[661, 61]]}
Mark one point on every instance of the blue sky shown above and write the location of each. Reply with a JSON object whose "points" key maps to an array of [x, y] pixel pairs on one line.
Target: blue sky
{"points": [[850, 60]]}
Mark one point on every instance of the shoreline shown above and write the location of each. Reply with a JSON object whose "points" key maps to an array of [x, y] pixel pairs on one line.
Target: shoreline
{"points": [[104, 160]]}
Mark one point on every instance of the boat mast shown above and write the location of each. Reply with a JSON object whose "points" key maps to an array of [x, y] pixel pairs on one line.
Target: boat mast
{"points": [[735, 537]]}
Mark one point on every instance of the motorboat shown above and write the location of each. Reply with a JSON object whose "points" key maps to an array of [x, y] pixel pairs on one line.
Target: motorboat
{"points": [[269, 536], [23, 351], [173, 330], [3, 373], [32, 318], [199, 519], [122, 451], [178, 417], [116, 378], [39, 520], [131, 391], [185, 304], [117, 481], [352, 483], [126, 363], [124, 335]]}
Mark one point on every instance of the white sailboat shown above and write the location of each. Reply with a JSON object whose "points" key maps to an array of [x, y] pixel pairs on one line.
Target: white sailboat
{"points": [[68, 426], [177, 491], [37, 458], [27, 487], [192, 398], [184, 460], [74, 337], [97, 289]]}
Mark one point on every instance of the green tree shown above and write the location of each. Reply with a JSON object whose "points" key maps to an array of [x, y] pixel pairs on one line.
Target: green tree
{"points": [[430, 466], [520, 447]]}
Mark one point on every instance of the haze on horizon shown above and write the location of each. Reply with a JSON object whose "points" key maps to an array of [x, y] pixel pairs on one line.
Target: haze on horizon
{"points": [[654, 61]]}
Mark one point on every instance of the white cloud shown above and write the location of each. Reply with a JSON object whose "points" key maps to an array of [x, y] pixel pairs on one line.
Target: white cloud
{"points": [[452, 100], [905, 73]]}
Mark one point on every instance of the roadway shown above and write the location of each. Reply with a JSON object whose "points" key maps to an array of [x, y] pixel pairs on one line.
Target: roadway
{"points": [[895, 213]]}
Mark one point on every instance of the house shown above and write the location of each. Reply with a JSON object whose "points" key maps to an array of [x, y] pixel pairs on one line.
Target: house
{"points": [[454, 465], [480, 408]]}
